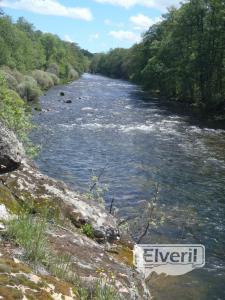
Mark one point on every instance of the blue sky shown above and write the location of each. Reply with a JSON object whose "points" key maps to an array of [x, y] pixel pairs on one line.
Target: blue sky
{"points": [[96, 25]]}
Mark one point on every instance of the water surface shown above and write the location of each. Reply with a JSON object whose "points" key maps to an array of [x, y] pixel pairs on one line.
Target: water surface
{"points": [[114, 123]]}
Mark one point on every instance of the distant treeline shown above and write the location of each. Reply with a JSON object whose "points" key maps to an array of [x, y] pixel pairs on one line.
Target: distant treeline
{"points": [[181, 58], [24, 48], [31, 60]]}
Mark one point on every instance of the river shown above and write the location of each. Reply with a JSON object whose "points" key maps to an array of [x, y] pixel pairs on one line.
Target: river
{"points": [[113, 124]]}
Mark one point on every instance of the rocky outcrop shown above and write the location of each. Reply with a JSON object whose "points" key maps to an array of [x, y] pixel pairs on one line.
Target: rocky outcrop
{"points": [[11, 151], [103, 254]]}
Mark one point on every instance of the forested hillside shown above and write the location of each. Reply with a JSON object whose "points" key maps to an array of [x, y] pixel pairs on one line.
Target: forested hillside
{"points": [[31, 62], [25, 48], [181, 58]]}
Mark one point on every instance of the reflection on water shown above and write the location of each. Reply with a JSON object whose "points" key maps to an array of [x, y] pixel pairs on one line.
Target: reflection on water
{"points": [[113, 122]]}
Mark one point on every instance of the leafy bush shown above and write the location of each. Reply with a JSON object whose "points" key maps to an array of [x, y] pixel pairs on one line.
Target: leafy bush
{"points": [[17, 75], [53, 68], [73, 74], [10, 80], [13, 111], [29, 89], [54, 78], [43, 79], [88, 230], [15, 115]]}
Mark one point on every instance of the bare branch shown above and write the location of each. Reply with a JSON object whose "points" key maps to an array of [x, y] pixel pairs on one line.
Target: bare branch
{"points": [[98, 177], [111, 205]]}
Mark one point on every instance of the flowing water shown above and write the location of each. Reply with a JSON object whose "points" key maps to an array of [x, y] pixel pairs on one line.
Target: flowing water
{"points": [[114, 124]]}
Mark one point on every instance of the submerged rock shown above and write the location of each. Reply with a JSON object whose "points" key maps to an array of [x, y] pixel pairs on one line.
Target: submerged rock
{"points": [[11, 151]]}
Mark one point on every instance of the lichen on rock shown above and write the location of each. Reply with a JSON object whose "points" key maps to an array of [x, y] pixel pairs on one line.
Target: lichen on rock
{"points": [[11, 150], [101, 256]]}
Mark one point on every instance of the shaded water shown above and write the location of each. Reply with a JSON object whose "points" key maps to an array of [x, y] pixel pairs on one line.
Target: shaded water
{"points": [[112, 122]]}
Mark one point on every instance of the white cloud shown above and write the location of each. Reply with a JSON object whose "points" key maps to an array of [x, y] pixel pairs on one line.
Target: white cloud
{"points": [[67, 38], [142, 22], [94, 36], [159, 4], [49, 7], [109, 22], [125, 35]]}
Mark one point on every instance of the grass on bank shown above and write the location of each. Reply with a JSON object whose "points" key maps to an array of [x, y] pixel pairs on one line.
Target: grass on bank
{"points": [[29, 232]]}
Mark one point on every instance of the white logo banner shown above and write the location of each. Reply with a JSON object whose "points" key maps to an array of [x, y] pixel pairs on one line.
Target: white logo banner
{"points": [[170, 259]]}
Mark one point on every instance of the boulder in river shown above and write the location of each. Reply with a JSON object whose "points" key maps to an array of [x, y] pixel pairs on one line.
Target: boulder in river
{"points": [[11, 150], [62, 94], [68, 101]]}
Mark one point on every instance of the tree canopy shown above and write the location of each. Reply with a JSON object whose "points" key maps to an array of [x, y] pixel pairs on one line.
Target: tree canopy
{"points": [[182, 57], [24, 48]]}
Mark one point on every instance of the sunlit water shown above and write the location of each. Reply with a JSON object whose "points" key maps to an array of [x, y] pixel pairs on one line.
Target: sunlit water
{"points": [[113, 123]]}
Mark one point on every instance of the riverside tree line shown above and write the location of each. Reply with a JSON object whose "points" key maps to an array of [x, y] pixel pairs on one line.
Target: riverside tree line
{"points": [[31, 62], [181, 58]]}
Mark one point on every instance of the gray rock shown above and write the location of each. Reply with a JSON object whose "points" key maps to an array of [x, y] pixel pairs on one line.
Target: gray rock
{"points": [[11, 150]]}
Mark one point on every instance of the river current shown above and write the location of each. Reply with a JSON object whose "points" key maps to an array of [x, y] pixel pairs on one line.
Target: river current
{"points": [[113, 124]]}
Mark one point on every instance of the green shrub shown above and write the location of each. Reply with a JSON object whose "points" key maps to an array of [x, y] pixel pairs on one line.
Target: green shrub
{"points": [[73, 74], [28, 89], [54, 78], [88, 230], [53, 68], [17, 75], [29, 233], [104, 291], [15, 115], [10, 80], [43, 79], [67, 72], [13, 111]]}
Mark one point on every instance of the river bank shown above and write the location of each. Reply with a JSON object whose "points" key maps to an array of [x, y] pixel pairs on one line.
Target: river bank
{"points": [[84, 239]]}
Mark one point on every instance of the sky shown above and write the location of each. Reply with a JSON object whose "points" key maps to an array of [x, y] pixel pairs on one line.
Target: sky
{"points": [[96, 25]]}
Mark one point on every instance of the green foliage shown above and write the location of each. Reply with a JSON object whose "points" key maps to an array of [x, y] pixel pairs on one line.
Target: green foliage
{"points": [[30, 233], [73, 74], [53, 68], [97, 190], [13, 111], [111, 64], [54, 78], [60, 265], [182, 57], [24, 48], [104, 291], [15, 114], [88, 230], [28, 89], [10, 80], [43, 79]]}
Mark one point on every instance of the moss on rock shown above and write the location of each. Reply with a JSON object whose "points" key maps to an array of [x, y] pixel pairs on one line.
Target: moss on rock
{"points": [[8, 200]]}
